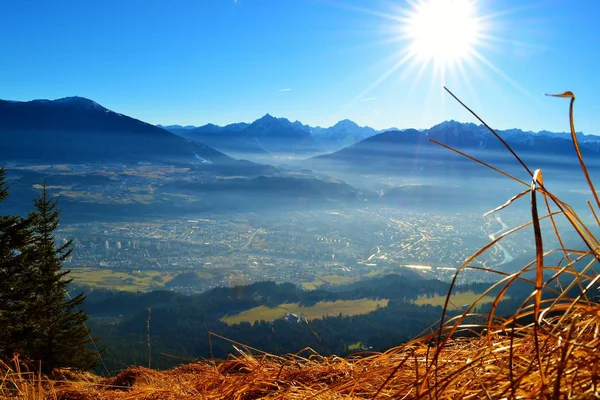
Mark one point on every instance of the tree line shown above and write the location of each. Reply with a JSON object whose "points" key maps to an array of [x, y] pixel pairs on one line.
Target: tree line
{"points": [[40, 322]]}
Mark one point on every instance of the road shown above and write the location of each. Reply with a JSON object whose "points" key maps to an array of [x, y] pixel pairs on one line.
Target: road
{"points": [[251, 238]]}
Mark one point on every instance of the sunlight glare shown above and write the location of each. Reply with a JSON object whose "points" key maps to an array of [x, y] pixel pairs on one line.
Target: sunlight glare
{"points": [[443, 31], [440, 41]]}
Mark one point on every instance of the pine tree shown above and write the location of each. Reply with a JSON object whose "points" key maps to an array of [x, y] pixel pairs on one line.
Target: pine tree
{"points": [[16, 289], [61, 338]]}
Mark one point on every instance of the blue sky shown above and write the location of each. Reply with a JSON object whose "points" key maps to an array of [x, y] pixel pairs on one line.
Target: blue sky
{"points": [[222, 61]]}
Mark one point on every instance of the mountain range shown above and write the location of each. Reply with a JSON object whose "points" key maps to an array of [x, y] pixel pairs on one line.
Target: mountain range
{"points": [[112, 152], [346, 132], [79, 130], [401, 168], [279, 136], [406, 158], [76, 129], [346, 149]]}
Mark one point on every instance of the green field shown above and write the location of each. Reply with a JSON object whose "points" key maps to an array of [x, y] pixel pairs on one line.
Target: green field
{"points": [[329, 280], [457, 299], [355, 346], [319, 310], [137, 281]]}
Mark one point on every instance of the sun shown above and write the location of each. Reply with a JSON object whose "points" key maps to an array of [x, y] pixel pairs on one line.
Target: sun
{"points": [[440, 42], [445, 32]]}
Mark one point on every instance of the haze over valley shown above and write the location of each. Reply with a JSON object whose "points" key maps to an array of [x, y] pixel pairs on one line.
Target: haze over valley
{"points": [[141, 199], [275, 226]]}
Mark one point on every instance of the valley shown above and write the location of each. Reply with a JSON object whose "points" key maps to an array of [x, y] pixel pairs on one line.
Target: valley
{"points": [[340, 239], [212, 250], [239, 199]]}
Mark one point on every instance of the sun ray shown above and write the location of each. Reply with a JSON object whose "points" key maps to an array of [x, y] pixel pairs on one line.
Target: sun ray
{"points": [[424, 66], [483, 60], [465, 78], [368, 11], [381, 79]]}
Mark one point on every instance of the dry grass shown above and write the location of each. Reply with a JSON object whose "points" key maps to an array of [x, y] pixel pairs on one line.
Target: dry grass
{"points": [[491, 366], [549, 348]]}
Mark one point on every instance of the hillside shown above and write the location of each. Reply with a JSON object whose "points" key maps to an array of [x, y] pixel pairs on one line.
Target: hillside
{"points": [[79, 130], [97, 161]]}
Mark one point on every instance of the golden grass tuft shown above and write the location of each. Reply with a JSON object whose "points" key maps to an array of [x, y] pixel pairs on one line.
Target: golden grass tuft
{"points": [[475, 368], [550, 348]]}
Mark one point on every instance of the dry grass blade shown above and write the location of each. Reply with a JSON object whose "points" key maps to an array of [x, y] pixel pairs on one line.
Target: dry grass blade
{"points": [[571, 96], [479, 162], [508, 203], [235, 343], [555, 228], [539, 271], [489, 128], [539, 249], [593, 213]]}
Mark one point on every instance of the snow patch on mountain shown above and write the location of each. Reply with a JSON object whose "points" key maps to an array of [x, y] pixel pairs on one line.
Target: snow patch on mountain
{"points": [[202, 159]]}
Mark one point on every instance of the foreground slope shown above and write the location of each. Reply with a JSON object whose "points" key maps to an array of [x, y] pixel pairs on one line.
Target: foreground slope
{"points": [[532, 365]]}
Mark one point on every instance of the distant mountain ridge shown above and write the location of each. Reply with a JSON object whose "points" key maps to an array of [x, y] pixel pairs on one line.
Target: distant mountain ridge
{"points": [[264, 136], [343, 134], [514, 135], [76, 129], [411, 153], [279, 136], [183, 130]]}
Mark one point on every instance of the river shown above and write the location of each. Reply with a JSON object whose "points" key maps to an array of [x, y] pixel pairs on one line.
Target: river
{"points": [[507, 256]]}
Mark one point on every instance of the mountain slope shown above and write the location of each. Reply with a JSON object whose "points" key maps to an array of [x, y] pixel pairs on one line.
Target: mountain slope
{"points": [[76, 129], [344, 133]]}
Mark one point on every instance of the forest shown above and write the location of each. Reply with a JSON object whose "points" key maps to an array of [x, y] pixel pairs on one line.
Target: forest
{"points": [[181, 327]]}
